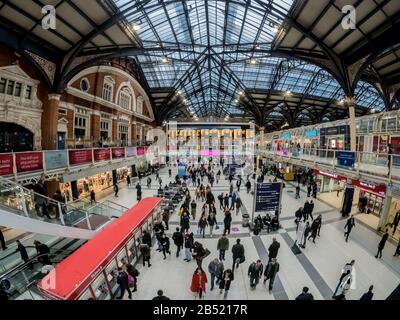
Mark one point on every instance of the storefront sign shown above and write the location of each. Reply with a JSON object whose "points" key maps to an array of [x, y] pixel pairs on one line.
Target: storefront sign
{"points": [[286, 136], [6, 164], [56, 159], [118, 153], [268, 196], [140, 151], [345, 158], [276, 136], [330, 175], [131, 151], [101, 154], [79, 157], [29, 161], [311, 133], [370, 186]]}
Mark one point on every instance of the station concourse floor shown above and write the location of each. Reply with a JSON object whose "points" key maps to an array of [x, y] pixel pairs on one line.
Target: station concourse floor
{"points": [[317, 267]]}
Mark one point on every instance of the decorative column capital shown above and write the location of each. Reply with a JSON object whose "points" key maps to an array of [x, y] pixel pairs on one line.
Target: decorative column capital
{"points": [[350, 99], [54, 96]]}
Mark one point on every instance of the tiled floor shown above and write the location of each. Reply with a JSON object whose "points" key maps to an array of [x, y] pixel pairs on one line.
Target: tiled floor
{"points": [[318, 266]]}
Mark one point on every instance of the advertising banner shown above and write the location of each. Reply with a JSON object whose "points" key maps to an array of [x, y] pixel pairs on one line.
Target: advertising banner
{"points": [[118, 153], [29, 161], [346, 159], [131, 152], [79, 157], [56, 159], [268, 196], [6, 164], [140, 151], [101, 154]]}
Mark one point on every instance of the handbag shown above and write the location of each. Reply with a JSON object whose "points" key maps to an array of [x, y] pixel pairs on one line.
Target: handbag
{"points": [[216, 226], [131, 281]]}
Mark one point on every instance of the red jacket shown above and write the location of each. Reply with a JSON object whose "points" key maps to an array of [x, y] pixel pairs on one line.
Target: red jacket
{"points": [[197, 283]]}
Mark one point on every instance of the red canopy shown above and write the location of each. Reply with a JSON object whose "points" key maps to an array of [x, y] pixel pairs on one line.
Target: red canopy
{"points": [[71, 276]]}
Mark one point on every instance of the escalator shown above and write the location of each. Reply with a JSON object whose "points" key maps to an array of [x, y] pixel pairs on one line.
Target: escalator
{"points": [[26, 210], [20, 281]]}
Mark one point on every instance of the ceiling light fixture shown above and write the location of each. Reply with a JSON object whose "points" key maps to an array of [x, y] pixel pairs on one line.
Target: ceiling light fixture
{"points": [[241, 92], [136, 27], [275, 29], [164, 60], [253, 61]]}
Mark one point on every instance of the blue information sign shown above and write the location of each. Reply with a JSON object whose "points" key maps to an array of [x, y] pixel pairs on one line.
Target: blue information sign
{"points": [[268, 196], [345, 159]]}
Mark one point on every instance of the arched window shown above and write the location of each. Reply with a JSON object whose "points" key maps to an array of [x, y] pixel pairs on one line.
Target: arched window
{"points": [[108, 88], [139, 105], [125, 98]]}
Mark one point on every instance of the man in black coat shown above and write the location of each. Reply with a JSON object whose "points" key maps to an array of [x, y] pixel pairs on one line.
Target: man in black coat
{"points": [[237, 254], [305, 296], [178, 240], [123, 282], [273, 249], [349, 225], [382, 243], [396, 221], [368, 295], [24, 254], [146, 239], [42, 251]]}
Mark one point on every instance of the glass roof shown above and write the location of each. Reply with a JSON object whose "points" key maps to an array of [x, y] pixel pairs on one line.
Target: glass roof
{"points": [[213, 49]]}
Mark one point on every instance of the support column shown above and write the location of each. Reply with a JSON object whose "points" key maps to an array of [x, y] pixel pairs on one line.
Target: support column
{"points": [[351, 103], [74, 189], [50, 122], [261, 145]]}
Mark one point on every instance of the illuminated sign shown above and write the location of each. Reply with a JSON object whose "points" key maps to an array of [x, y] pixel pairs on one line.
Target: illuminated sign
{"points": [[311, 133], [286, 136]]}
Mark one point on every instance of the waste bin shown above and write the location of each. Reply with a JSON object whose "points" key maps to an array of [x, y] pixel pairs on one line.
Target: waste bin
{"points": [[245, 219]]}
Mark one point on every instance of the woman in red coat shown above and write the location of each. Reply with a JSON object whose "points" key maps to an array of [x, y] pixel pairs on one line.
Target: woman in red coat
{"points": [[199, 280]]}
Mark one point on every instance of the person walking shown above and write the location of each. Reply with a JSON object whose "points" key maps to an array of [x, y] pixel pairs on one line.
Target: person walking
{"points": [[43, 252], [202, 225], [238, 205], [170, 172], [314, 229], [199, 253], [273, 249], [116, 189], [382, 244], [226, 201], [148, 183], [308, 189], [123, 282], [227, 222], [212, 221], [368, 295], [24, 254], [221, 201], [237, 254], [319, 218], [145, 251], [133, 273], [165, 245], [255, 272], [2, 241], [198, 284], [349, 225], [397, 252], [193, 206], [300, 233], [271, 269], [248, 186], [178, 240], [146, 238], [165, 218], [306, 211], [138, 192], [311, 209], [222, 246], [297, 192], [92, 197], [225, 282], [307, 231], [396, 222], [185, 221], [189, 240], [347, 270], [305, 296], [215, 268], [128, 181]]}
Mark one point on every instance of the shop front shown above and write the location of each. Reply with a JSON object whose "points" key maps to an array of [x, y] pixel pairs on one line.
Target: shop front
{"points": [[392, 218]]}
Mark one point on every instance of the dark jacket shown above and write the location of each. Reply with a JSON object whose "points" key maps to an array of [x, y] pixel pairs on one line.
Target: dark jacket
{"points": [[383, 241], [216, 269], [147, 239], [165, 243], [305, 296], [227, 220], [271, 270], [22, 251], [223, 244], [237, 251], [178, 238], [350, 223], [185, 222], [367, 296], [255, 272], [145, 250], [161, 298], [226, 284], [122, 280], [273, 249], [189, 243]]}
